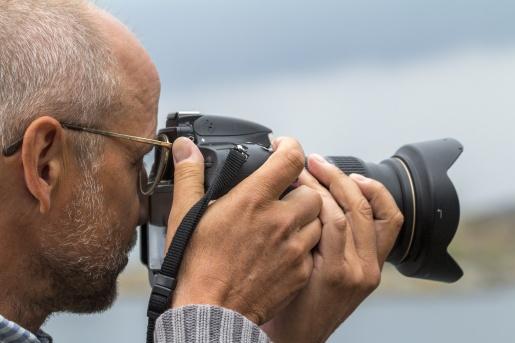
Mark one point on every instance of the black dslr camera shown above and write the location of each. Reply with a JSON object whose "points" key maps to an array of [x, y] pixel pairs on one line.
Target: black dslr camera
{"points": [[416, 176]]}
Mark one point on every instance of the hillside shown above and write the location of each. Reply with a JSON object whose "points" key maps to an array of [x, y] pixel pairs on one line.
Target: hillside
{"points": [[484, 247]]}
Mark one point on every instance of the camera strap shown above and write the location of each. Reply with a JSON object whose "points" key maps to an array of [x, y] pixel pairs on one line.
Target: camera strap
{"points": [[165, 280]]}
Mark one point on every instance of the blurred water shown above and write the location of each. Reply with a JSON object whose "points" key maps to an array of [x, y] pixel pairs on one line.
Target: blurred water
{"points": [[478, 318]]}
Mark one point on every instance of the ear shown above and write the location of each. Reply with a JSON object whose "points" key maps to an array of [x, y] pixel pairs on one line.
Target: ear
{"points": [[43, 159]]}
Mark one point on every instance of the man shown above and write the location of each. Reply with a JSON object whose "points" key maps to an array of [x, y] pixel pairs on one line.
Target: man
{"points": [[297, 266]]}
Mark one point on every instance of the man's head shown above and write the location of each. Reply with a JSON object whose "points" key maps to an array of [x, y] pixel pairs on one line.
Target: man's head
{"points": [[71, 201]]}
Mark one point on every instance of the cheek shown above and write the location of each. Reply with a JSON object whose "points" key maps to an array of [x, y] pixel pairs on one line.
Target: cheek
{"points": [[122, 197]]}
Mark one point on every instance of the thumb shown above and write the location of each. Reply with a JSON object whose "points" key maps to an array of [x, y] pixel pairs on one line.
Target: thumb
{"points": [[188, 182]]}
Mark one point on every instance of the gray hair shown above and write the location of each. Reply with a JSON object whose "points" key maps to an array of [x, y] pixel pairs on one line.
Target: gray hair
{"points": [[53, 61]]}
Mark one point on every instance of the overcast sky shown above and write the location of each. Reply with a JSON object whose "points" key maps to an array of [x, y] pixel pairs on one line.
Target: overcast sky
{"points": [[361, 77], [196, 41]]}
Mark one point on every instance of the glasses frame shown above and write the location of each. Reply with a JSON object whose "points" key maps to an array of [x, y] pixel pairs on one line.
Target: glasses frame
{"points": [[163, 143]]}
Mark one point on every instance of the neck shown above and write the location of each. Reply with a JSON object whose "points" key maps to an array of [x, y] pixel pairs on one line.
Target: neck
{"points": [[20, 311], [24, 289]]}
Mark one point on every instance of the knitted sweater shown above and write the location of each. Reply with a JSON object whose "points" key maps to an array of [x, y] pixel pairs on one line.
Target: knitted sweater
{"points": [[189, 324], [205, 324]]}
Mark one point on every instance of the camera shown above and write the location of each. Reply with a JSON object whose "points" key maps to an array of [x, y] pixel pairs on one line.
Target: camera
{"points": [[416, 176]]}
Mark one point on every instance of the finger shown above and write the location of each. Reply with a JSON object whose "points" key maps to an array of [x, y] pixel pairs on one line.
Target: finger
{"points": [[356, 207], [304, 204], [389, 218], [336, 238], [305, 178], [188, 182], [280, 170], [309, 235]]}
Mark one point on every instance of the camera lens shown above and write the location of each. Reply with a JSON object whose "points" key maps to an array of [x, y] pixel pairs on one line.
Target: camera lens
{"points": [[417, 178]]}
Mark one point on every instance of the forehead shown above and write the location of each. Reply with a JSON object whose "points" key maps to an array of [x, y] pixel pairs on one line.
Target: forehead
{"points": [[138, 76]]}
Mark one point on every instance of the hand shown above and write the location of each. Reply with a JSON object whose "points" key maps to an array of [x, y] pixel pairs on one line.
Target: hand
{"points": [[251, 251], [349, 257]]}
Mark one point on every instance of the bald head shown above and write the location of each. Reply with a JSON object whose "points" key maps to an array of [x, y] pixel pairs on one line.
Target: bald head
{"points": [[135, 64], [140, 79]]}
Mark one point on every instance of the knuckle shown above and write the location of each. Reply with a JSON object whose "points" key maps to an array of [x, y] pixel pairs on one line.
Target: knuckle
{"points": [[311, 195], [379, 188], [318, 201], [340, 223], [296, 249], [308, 190], [364, 208], [187, 172], [295, 159], [364, 278], [306, 272], [373, 279], [356, 278], [303, 189], [398, 220], [306, 269], [291, 143]]}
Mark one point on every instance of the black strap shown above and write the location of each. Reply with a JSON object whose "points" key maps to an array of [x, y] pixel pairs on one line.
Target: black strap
{"points": [[166, 280]]}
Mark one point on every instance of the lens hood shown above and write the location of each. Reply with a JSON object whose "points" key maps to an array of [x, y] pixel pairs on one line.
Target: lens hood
{"points": [[435, 207]]}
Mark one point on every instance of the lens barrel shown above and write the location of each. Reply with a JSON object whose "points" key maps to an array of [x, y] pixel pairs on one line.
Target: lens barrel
{"points": [[416, 176]]}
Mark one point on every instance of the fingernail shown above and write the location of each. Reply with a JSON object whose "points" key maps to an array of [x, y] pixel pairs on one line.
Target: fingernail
{"points": [[182, 149], [360, 178], [319, 158]]}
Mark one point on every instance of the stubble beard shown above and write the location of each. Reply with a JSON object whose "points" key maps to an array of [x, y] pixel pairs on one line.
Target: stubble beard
{"points": [[84, 262]]}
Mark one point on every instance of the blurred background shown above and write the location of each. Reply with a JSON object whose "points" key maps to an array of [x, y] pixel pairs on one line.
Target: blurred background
{"points": [[354, 78]]}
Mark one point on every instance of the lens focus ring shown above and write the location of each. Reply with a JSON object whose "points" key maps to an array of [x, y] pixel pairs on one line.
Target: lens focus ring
{"points": [[348, 164]]}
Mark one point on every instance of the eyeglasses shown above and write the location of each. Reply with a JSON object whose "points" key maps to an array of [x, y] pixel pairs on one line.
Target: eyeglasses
{"points": [[148, 179]]}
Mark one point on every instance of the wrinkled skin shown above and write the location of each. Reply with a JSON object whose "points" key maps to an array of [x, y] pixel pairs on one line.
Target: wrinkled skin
{"points": [[360, 224], [67, 225]]}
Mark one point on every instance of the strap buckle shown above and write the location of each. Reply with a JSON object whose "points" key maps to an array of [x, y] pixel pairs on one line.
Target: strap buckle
{"points": [[161, 295], [242, 149]]}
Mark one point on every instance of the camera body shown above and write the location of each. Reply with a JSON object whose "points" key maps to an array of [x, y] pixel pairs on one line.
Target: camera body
{"points": [[215, 136]]}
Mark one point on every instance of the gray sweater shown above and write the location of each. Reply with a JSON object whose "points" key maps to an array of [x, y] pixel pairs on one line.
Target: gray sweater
{"points": [[189, 324], [206, 324]]}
